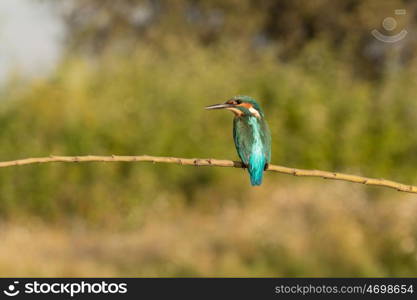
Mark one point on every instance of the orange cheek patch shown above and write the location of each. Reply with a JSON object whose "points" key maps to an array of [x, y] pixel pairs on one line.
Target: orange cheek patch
{"points": [[246, 105], [235, 111], [251, 109]]}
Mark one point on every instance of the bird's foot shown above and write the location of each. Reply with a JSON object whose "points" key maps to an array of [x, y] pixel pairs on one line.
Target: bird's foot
{"points": [[244, 166], [266, 167]]}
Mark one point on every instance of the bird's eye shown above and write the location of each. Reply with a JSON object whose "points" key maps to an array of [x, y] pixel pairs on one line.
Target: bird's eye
{"points": [[238, 101]]}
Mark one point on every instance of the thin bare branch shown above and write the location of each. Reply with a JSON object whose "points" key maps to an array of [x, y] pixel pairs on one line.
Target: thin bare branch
{"points": [[215, 163]]}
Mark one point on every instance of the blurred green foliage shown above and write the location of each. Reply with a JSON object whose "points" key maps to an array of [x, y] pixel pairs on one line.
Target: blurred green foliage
{"points": [[148, 98], [289, 26]]}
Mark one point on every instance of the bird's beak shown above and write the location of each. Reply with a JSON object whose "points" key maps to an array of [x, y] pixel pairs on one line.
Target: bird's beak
{"points": [[218, 106]]}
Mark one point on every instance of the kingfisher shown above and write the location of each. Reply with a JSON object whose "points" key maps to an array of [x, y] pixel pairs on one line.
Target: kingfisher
{"points": [[251, 135]]}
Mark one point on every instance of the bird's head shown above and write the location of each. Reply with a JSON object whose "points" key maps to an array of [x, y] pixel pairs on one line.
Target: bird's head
{"points": [[241, 106]]}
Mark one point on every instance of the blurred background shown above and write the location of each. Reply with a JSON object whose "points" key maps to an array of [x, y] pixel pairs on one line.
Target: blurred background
{"points": [[338, 83]]}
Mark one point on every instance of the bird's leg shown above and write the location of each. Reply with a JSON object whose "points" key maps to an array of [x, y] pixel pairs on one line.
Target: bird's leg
{"points": [[266, 167]]}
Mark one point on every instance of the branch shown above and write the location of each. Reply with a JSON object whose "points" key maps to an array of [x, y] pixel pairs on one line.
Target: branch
{"points": [[213, 162]]}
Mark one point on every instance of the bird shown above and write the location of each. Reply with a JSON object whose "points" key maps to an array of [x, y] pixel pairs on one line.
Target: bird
{"points": [[251, 135]]}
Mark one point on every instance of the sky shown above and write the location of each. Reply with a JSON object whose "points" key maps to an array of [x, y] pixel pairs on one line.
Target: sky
{"points": [[30, 35]]}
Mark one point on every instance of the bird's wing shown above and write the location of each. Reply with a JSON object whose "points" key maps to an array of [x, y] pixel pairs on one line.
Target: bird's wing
{"points": [[243, 137]]}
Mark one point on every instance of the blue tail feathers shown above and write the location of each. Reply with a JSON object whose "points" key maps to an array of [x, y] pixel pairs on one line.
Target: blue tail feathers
{"points": [[256, 169]]}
